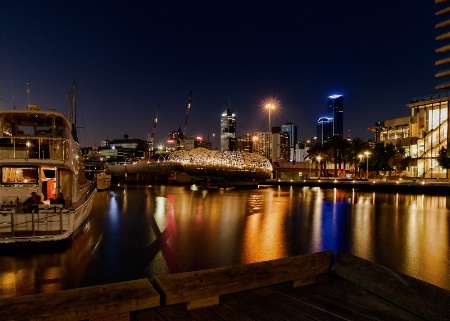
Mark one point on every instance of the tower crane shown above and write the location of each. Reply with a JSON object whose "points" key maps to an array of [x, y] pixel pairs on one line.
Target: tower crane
{"points": [[151, 136], [177, 136], [184, 122]]}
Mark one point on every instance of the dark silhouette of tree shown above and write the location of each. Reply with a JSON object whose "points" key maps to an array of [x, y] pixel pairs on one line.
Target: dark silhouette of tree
{"points": [[444, 158], [335, 149], [315, 151], [399, 161]]}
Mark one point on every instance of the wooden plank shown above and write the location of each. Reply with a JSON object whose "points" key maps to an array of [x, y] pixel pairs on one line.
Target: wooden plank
{"points": [[349, 301], [205, 314], [424, 299], [190, 286], [250, 310], [227, 313], [147, 314], [174, 312], [277, 294], [205, 302], [265, 303], [82, 303]]}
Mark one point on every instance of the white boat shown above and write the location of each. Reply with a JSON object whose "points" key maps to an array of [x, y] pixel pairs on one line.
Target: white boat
{"points": [[95, 166], [39, 153]]}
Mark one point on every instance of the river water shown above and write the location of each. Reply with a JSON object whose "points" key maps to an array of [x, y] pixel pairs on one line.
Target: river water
{"points": [[140, 231]]}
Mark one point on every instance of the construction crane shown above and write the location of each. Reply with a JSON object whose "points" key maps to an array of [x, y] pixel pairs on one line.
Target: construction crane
{"points": [[151, 136], [184, 122], [176, 138]]}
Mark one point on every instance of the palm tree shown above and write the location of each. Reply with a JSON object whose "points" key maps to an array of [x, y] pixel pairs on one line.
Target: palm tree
{"points": [[356, 148], [314, 152]]}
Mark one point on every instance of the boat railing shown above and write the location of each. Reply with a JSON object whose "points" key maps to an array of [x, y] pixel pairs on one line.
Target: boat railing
{"points": [[43, 214], [34, 147]]}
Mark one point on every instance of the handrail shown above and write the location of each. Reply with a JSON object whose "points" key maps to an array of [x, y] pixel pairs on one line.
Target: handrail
{"points": [[35, 147]]}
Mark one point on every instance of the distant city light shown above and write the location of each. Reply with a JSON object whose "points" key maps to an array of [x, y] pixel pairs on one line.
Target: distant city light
{"points": [[335, 96]]}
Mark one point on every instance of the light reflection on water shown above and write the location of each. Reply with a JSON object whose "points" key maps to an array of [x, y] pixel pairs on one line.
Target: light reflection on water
{"points": [[139, 231]]}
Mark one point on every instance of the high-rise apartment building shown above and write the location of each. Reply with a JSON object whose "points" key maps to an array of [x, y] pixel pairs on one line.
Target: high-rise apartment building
{"points": [[280, 145], [292, 130], [228, 130], [336, 112], [444, 49], [324, 129]]}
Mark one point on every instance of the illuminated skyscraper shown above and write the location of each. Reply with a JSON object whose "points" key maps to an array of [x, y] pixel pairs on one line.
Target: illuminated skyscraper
{"points": [[336, 112], [324, 129], [292, 130], [444, 48], [228, 130]]}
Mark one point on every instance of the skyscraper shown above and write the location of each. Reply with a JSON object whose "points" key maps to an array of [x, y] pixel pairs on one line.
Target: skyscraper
{"points": [[228, 130], [336, 112], [292, 130], [324, 129], [444, 48]]}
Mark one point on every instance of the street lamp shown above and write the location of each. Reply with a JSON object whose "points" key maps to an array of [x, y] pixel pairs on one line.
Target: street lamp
{"points": [[270, 106], [361, 156], [367, 164], [319, 158]]}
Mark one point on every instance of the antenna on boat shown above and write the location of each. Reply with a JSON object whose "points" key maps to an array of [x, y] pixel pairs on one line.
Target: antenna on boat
{"points": [[72, 104]]}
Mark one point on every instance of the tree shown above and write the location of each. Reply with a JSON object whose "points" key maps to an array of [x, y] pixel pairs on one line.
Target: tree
{"points": [[335, 149], [444, 158], [317, 150], [398, 161]]}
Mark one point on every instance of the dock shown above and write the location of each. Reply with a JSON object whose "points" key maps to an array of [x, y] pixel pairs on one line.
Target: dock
{"points": [[312, 286]]}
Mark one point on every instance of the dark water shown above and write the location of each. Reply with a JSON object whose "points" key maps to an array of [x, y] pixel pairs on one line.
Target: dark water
{"points": [[139, 231]]}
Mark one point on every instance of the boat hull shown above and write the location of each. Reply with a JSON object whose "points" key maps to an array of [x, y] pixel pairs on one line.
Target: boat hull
{"points": [[48, 224]]}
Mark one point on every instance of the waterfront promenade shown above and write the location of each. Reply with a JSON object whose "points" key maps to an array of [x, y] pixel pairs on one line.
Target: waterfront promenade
{"points": [[412, 186]]}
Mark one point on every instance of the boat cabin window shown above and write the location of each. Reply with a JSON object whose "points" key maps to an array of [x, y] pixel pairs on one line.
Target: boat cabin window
{"points": [[29, 124], [19, 175]]}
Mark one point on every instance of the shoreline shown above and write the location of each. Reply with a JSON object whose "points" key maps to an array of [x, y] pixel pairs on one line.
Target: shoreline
{"points": [[430, 187]]}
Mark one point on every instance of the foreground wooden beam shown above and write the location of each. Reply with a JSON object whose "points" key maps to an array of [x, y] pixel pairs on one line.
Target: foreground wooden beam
{"points": [[423, 299], [102, 302], [203, 288]]}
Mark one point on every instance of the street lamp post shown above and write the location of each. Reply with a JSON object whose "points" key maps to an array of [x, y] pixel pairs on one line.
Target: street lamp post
{"points": [[320, 167], [360, 160], [270, 105], [367, 164]]}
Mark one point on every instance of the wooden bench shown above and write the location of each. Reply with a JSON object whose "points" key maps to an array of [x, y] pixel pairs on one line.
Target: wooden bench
{"points": [[203, 288], [101, 302]]}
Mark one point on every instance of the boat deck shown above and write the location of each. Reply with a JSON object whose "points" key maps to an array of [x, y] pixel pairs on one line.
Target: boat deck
{"points": [[330, 298]]}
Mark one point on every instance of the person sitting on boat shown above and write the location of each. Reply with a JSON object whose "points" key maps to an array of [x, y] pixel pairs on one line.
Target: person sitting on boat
{"points": [[59, 200], [32, 202]]}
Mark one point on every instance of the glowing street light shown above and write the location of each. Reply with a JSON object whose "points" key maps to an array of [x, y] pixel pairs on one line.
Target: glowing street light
{"points": [[270, 104], [367, 153], [319, 158], [361, 156]]}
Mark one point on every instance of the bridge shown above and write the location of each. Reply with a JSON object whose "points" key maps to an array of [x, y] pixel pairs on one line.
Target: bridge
{"points": [[203, 164]]}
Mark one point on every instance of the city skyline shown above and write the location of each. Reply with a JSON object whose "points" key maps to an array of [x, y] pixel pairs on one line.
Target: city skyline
{"points": [[128, 58]]}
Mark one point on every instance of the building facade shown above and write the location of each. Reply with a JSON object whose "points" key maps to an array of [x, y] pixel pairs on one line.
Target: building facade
{"points": [[336, 113], [291, 129], [280, 145], [443, 51], [430, 129], [228, 130], [324, 129]]}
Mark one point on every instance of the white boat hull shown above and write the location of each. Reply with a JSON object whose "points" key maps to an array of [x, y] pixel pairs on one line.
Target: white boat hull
{"points": [[49, 224]]}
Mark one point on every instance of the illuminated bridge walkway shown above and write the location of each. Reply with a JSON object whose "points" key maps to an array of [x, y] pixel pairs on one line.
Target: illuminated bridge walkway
{"points": [[203, 164]]}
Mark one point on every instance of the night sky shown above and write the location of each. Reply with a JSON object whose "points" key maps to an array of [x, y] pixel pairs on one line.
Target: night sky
{"points": [[129, 56]]}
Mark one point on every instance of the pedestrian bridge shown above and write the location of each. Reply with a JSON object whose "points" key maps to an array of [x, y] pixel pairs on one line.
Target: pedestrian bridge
{"points": [[203, 164]]}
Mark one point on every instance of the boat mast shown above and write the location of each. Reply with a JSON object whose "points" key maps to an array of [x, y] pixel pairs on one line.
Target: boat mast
{"points": [[73, 103]]}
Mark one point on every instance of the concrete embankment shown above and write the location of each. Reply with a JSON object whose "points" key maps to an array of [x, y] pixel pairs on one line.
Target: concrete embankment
{"points": [[432, 187]]}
